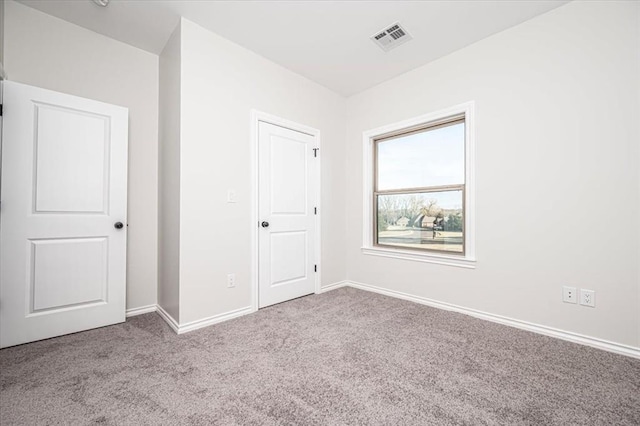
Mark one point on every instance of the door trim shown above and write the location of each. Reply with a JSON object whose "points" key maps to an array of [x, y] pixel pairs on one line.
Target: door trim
{"points": [[256, 117]]}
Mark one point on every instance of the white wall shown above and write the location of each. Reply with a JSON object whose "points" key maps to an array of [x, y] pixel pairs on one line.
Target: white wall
{"points": [[557, 131], [1, 34], [169, 178], [221, 83], [44, 51]]}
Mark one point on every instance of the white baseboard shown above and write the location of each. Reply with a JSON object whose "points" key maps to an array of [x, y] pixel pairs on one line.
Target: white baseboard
{"points": [[204, 322], [168, 319], [594, 342], [141, 310], [194, 325], [333, 286]]}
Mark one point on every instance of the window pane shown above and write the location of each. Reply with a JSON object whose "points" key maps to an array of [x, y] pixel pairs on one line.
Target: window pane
{"points": [[429, 158], [431, 220]]}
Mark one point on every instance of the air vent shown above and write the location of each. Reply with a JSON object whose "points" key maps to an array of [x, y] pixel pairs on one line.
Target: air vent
{"points": [[391, 37]]}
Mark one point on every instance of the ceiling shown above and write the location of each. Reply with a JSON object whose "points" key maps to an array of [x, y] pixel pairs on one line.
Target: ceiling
{"points": [[325, 41]]}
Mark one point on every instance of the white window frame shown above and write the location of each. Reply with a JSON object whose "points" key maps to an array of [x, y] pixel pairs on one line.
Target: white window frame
{"points": [[468, 260]]}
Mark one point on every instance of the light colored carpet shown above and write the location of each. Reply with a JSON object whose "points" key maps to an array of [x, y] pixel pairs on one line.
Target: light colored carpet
{"points": [[343, 357]]}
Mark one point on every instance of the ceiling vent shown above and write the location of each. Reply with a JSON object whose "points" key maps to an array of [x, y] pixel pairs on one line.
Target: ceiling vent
{"points": [[391, 37]]}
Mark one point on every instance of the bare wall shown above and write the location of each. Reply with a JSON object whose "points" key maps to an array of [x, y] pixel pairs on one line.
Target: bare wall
{"points": [[221, 83], [44, 51], [1, 33], [557, 131], [169, 177]]}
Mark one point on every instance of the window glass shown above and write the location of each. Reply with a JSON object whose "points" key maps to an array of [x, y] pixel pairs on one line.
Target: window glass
{"points": [[425, 220], [419, 189], [432, 157]]}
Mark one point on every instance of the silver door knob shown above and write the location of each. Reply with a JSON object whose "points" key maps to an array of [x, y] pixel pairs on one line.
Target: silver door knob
{"points": [[118, 225], [265, 224]]}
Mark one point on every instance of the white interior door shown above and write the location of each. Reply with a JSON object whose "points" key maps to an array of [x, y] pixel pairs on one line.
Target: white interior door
{"points": [[63, 198], [287, 201]]}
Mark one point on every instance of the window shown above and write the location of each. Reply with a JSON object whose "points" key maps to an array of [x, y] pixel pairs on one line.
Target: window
{"points": [[418, 200], [419, 188]]}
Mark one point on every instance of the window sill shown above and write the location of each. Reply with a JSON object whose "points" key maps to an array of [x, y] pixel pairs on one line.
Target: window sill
{"points": [[438, 259]]}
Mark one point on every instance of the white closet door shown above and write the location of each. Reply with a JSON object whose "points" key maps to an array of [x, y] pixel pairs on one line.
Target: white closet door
{"points": [[286, 210]]}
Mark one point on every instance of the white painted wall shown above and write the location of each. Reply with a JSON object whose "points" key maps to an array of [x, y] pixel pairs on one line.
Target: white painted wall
{"points": [[1, 34], [557, 140], [44, 51], [221, 83], [169, 178]]}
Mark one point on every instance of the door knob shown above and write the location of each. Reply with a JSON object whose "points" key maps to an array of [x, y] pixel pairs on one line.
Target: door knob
{"points": [[265, 224], [118, 225]]}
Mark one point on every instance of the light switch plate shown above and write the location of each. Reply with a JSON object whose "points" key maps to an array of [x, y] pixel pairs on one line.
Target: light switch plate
{"points": [[232, 196]]}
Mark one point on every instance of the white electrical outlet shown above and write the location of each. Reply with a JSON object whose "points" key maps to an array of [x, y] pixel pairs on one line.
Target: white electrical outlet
{"points": [[588, 297], [232, 196], [569, 295], [231, 280]]}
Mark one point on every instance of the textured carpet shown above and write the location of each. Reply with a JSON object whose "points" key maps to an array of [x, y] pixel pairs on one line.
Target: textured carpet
{"points": [[343, 357]]}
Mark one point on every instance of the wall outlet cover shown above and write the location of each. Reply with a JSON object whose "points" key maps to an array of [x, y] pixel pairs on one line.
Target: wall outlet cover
{"points": [[588, 298], [231, 280], [569, 294]]}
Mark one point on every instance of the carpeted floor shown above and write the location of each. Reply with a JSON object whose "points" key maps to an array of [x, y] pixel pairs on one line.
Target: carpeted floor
{"points": [[342, 357]]}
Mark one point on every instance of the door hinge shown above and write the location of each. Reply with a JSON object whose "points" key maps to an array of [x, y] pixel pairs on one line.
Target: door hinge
{"points": [[315, 151], [315, 268], [315, 210], [0, 110]]}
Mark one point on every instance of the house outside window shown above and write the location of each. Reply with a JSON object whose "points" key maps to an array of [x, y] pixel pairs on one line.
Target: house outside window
{"points": [[419, 188]]}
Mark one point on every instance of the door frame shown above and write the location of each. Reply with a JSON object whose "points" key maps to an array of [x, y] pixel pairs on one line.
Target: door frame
{"points": [[256, 118]]}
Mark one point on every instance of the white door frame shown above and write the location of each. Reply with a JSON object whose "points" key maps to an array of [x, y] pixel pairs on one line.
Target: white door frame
{"points": [[256, 117]]}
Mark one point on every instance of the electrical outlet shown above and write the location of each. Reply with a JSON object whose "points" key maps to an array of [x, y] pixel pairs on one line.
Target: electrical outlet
{"points": [[231, 280], [588, 297], [569, 295]]}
